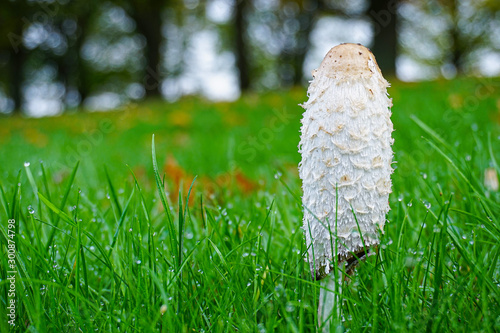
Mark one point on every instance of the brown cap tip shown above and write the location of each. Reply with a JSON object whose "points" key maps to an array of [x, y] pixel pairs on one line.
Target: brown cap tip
{"points": [[348, 61]]}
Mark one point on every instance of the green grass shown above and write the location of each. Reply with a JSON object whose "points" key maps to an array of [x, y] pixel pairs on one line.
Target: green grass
{"points": [[115, 234]]}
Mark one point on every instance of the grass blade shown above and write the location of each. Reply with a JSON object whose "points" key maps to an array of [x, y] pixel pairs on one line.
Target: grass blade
{"points": [[163, 198], [113, 192], [63, 203]]}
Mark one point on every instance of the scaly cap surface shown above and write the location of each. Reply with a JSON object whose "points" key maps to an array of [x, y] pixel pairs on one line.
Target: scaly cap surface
{"points": [[346, 156]]}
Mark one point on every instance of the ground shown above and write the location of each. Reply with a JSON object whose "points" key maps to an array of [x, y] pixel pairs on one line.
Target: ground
{"points": [[107, 239]]}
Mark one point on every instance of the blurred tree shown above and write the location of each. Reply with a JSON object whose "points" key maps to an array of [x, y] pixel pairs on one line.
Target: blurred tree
{"points": [[383, 14], [12, 48], [72, 22], [278, 41], [59, 31], [469, 28], [82, 11], [240, 43], [289, 25], [147, 15], [456, 33], [297, 17]]}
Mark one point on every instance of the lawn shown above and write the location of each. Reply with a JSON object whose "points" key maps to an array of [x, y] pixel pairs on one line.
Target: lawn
{"points": [[199, 229]]}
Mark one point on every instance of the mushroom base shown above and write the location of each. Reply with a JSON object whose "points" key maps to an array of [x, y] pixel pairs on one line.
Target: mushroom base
{"points": [[351, 263]]}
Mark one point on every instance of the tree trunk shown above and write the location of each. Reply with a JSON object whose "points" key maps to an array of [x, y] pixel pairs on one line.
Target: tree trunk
{"points": [[148, 18], [286, 68], [457, 51], [457, 55], [241, 45], [383, 14], [17, 61], [293, 54], [306, 22], [82, 82]]}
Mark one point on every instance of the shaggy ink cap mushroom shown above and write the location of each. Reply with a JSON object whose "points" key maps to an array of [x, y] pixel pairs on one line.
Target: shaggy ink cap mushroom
{"points": [[346, 157]]}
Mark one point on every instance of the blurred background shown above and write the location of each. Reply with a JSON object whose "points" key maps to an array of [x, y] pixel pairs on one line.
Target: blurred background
{"points": [[66, 55]]}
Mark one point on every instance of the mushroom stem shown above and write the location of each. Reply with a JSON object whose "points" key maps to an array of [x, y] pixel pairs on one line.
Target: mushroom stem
{"points": [[330, 301]]}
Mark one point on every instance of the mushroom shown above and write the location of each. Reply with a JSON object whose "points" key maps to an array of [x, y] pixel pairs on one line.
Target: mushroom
{"points": [[491, 179], [346, 166]]}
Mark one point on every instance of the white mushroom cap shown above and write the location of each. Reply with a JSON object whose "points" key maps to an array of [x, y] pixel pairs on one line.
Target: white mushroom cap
{"points": [[346, 149]]}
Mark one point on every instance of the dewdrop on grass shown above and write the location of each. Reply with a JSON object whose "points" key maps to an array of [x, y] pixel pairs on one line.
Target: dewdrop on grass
{"points": [[346, 150]]}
